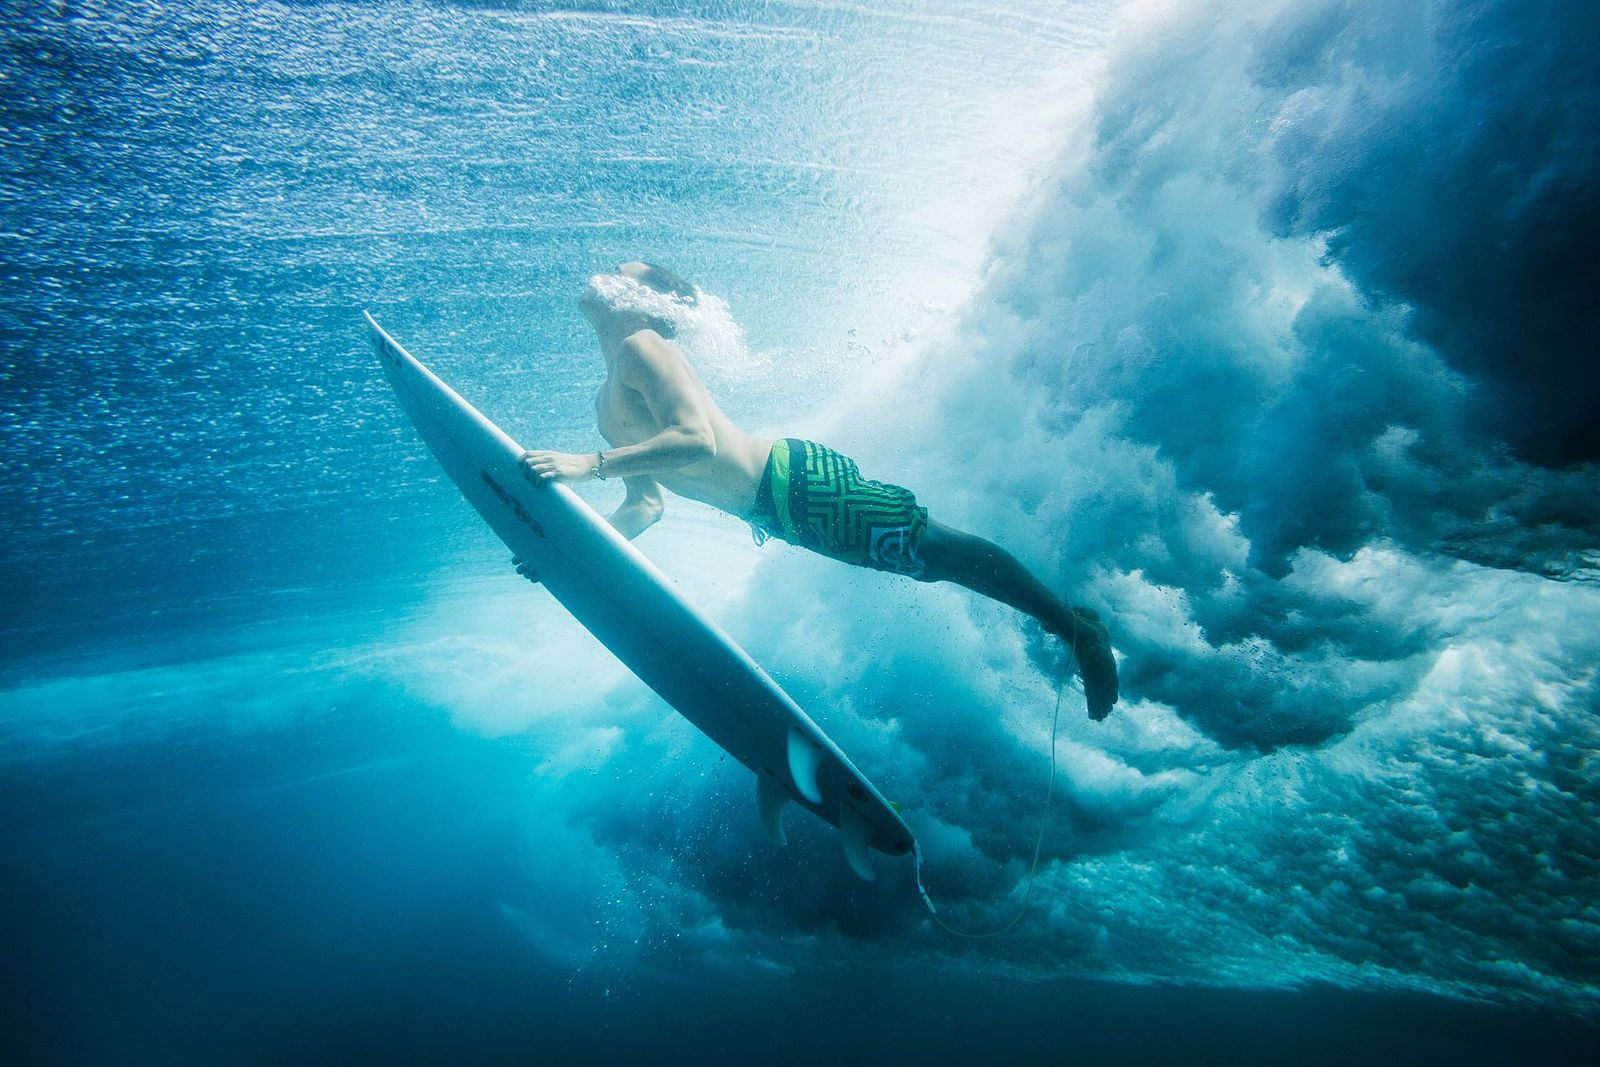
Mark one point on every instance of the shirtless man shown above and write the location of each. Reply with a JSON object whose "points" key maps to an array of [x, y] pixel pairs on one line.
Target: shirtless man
{"points": [[666, 431]]}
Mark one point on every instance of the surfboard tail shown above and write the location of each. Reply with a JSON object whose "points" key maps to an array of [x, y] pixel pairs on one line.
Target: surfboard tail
{"points": [[804, 758], [771, 799], [855, 832]]}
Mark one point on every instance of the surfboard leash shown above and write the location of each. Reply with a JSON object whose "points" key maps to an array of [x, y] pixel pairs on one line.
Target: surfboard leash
{"points": [[1044, 819]]}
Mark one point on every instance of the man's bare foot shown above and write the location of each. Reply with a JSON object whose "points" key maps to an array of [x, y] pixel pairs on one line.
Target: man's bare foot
{"points": [[526, 570], [1091, 643]]}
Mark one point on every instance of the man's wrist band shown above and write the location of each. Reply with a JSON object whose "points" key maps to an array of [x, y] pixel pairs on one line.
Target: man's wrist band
{"points": [[599, 468]]}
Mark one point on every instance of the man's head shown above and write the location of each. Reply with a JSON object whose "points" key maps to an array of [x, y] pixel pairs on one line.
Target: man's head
{"points": [[639, 296]]}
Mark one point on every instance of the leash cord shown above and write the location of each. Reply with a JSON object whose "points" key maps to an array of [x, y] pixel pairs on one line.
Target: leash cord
{"points": [[1044, 820]]}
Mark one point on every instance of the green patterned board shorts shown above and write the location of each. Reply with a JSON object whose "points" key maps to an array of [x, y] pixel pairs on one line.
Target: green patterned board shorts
{"points": [[814, 497]]}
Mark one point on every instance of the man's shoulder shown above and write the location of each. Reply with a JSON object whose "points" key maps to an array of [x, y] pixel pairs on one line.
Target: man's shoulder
{"points": [[647, 350]]}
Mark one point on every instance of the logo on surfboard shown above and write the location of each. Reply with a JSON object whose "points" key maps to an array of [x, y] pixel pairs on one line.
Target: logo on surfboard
{"points": [[516, 509]]}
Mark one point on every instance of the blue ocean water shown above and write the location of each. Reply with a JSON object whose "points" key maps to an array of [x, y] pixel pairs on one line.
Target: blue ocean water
{"points": [[1263, 326]]}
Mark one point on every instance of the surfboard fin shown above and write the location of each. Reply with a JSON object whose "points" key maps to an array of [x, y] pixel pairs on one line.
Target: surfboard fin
{"points": [[804, 759], [855, 831], [771, 797]]}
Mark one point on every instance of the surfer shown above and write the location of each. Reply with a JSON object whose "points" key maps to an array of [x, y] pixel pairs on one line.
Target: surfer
{"points": [[665, 430]]}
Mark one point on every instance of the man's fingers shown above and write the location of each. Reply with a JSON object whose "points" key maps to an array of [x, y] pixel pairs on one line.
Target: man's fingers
{"points": [[539, 464], [549, 466]]}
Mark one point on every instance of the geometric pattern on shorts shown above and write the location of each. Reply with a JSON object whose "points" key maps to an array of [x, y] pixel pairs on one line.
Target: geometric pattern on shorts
{"points": [[837, 512]]}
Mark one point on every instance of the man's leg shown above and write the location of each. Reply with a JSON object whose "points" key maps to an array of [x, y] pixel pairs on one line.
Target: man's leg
{"points": [[984, 567]]}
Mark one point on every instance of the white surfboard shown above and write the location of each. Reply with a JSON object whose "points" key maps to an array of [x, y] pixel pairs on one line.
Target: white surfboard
{"points": [[621, 598]]}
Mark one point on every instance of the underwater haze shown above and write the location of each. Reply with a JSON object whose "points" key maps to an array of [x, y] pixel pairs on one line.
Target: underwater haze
{"points": [[1264, 327]]}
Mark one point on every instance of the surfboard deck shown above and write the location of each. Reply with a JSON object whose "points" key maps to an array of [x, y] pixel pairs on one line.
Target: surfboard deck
{"points": [[629, 605]]}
